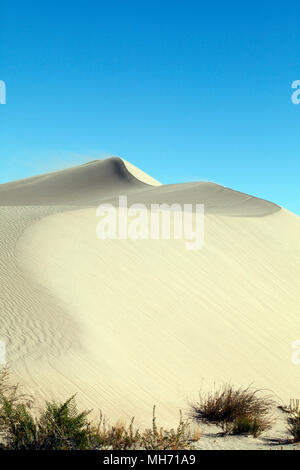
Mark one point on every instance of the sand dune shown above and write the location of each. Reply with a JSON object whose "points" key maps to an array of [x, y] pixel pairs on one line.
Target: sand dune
{"points": [[128, 324], [87, 184], [99, 180]]}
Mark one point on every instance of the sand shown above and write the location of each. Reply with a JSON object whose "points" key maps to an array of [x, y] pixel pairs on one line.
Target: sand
{"points": [[127, 324]]}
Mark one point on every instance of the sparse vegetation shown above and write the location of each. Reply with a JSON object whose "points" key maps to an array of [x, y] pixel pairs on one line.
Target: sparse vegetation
{"points": [[122, 438], [61, 427], [238, 411]]}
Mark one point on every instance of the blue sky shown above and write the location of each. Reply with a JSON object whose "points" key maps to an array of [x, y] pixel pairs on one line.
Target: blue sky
{"points": [[185, 90]]}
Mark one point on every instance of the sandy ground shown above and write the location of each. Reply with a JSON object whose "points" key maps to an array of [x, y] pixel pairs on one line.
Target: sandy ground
{"points": [[132, 323], [277, 438]]}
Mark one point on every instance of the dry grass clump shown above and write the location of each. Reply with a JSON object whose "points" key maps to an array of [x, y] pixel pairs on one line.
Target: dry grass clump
{"points": [[236, 411]]}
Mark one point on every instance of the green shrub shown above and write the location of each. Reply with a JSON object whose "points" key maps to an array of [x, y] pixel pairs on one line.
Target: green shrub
{"points": [[17, 425], [246, 425], [62, 427]]}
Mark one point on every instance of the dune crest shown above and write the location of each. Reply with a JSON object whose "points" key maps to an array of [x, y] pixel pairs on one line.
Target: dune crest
{"points": [[105, 180]]}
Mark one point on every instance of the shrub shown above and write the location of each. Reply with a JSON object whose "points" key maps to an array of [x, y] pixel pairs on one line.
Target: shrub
{"points": [[246, 425], [161, 439], [16, 425], [62, 427], [234, 410]]}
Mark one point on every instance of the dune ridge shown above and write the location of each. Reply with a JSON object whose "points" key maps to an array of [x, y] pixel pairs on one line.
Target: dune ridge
{"points": [[104, 180]]}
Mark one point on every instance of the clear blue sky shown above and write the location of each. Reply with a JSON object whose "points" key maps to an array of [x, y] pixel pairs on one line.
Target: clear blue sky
{"points": [[186, 90]]}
